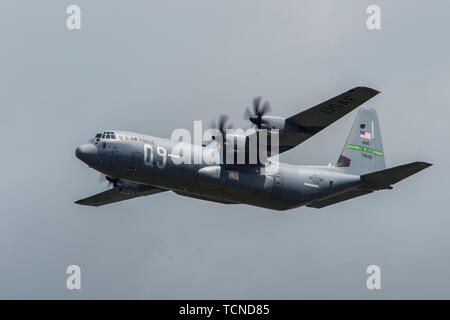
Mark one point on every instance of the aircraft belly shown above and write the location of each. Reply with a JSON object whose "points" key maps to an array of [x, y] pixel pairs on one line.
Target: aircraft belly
{"points": [[260, 199], [245, 187]]}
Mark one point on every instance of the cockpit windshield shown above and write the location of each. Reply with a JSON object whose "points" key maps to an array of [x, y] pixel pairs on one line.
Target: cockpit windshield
{"points": [[106, 135]]}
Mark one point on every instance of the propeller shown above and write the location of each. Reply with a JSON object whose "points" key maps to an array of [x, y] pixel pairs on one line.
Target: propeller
{"points": [[259, 109], [221, 125]]}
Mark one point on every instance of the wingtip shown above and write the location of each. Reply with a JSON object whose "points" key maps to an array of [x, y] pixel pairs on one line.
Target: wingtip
{"points": [[425, 164], [374, 91]]}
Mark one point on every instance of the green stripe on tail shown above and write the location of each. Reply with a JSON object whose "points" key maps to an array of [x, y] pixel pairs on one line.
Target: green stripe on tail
{"points": [[365, 149]]}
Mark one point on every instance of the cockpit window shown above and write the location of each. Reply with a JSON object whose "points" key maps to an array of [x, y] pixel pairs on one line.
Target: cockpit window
{"points": [[106, 135]]}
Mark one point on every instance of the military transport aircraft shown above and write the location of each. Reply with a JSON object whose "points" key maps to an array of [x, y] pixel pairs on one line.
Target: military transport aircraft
{"points": [[140, 165]]}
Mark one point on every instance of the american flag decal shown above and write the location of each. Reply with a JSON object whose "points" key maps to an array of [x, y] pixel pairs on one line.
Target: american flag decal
{"points": [[365, 135]]}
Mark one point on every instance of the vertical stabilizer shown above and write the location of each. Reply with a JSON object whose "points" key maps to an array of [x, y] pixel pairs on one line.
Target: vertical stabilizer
{"points": [[363, 151]]}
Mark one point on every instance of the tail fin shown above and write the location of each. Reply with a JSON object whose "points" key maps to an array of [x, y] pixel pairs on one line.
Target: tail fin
{"points": [[363, 150]]}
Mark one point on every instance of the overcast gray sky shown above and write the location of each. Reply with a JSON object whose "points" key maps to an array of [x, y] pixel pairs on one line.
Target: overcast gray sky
{"points": [[152, 66]]}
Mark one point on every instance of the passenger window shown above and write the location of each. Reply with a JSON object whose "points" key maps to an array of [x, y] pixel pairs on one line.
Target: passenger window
{"points": [[113, 137], [108, 136], [103, 136]]}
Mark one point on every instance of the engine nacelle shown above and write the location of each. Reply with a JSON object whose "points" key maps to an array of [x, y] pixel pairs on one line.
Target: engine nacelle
{"points": [[272, 122], [209, 176]]}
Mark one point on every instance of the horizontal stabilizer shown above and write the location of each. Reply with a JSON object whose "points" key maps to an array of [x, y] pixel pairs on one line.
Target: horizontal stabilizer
{"points": [[373, 181], [338, 198], [385, 178]]}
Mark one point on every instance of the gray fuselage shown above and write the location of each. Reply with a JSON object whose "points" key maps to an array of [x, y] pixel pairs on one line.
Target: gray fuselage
{"points": [[149, 160]]}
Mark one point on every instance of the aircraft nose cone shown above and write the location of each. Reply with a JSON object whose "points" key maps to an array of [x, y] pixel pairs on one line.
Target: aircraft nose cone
{"points": [[86, 152]]}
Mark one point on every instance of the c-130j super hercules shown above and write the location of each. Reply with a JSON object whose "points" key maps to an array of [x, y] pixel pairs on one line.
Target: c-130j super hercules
{"points": [[139, 165]]}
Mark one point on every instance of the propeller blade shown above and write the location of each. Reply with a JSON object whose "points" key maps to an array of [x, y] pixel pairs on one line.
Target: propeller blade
{"points": [[256, 104], [258, 111], [247, 113], [222, 121], [221, 124], [265, 108]]}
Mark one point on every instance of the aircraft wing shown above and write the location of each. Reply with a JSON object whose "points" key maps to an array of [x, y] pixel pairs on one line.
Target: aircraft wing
{"points": [[313, 120], [114, 195]]}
